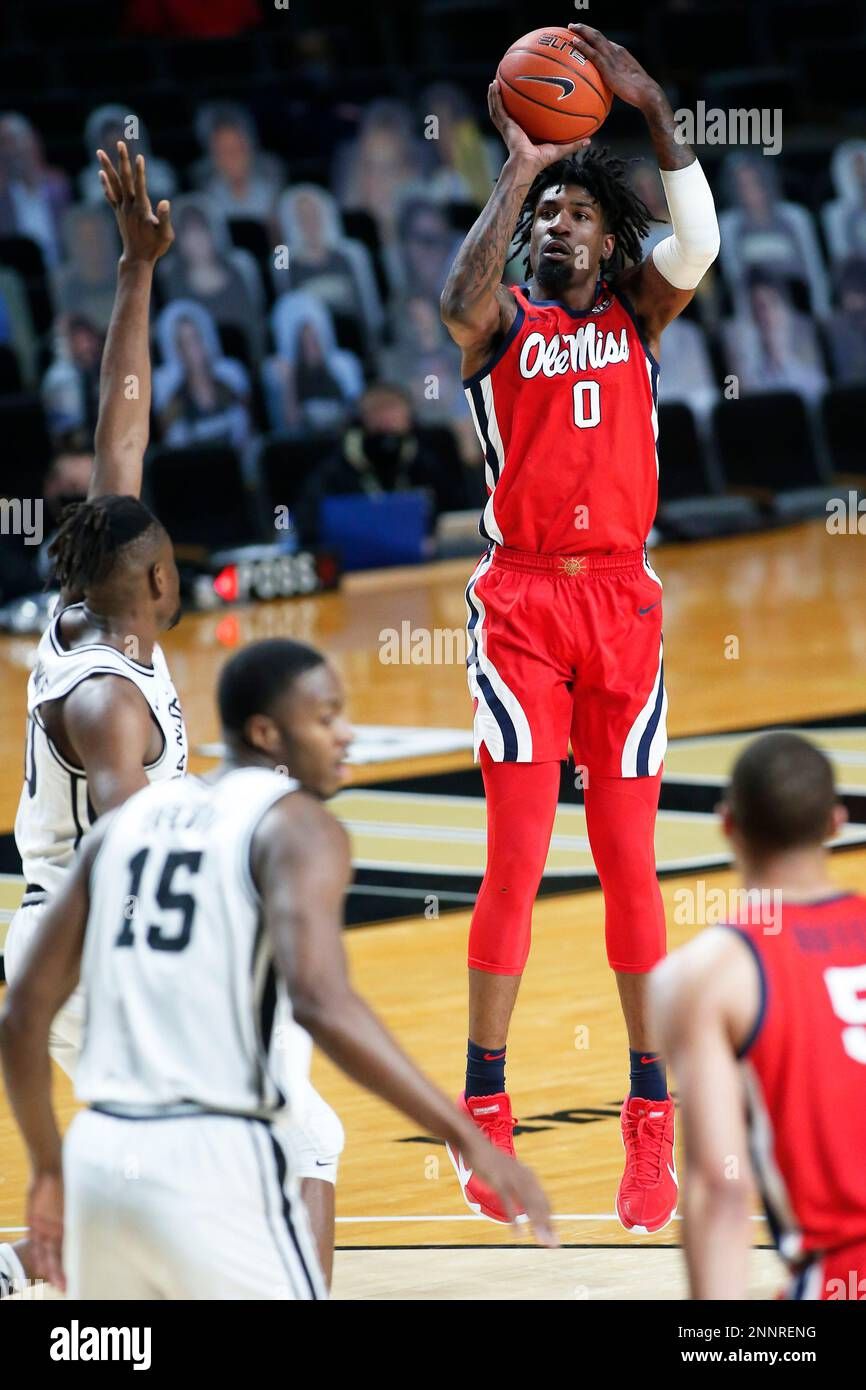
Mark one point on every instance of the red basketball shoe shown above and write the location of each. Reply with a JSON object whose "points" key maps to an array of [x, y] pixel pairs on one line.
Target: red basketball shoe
{"points": [[492, 1115], [646, 1199]]}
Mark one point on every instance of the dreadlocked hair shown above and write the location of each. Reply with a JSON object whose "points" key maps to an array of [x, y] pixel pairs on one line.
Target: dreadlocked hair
{"points": [[605, 178], [91, 536]]}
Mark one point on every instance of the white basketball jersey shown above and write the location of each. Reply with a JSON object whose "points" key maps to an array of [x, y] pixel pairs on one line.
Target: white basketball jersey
{"points": [[54, 810], [178, 971]]}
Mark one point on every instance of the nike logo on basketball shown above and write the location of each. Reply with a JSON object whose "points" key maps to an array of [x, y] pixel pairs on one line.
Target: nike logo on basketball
{"points": [[649, 609], [564, 82]]}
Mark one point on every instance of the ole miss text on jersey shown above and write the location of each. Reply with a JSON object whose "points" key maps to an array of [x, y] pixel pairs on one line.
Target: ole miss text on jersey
{"points": [[566, 412]]}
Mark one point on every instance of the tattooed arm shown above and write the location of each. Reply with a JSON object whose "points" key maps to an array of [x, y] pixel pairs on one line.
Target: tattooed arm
{"points": [[476, 307]]}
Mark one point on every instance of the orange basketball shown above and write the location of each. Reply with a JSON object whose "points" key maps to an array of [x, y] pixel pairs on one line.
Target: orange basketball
{"points": [[551, 90]]}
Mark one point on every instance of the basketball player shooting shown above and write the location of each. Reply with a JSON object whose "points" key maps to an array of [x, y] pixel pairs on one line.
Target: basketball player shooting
{"points": [[564, 609], [773, 1008], [184, 909]]}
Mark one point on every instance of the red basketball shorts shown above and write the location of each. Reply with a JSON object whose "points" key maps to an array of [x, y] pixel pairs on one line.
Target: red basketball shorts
{"points": [[838, 1275], [568, 648]]}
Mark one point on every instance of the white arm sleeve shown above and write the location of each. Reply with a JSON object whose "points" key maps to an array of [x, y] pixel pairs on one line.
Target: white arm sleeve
{"points": [[684, 257]]}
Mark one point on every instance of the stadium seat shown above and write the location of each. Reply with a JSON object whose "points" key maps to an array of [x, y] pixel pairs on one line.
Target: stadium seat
{"points": [[843, 412], [250, 235], [199, 495], [691, 505], [285, 463], [23, 255], [10, 372], [767, 445], [26, 451]]}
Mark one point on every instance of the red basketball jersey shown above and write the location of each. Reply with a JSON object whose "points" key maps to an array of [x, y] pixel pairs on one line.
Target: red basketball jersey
{"points": [[566, 414], [806, 1074]]}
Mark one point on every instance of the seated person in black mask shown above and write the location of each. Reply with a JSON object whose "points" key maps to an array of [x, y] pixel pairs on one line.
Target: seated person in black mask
{"points": [[383, 450]]}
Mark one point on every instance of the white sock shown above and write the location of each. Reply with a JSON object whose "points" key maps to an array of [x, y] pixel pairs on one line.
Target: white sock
{"points": [[12, 1275]]}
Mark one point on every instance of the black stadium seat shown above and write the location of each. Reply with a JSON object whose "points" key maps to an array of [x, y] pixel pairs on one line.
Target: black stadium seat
{"points": [[844, 416], [766, 444], [690, 504], [26, 447], [765, 441], [682, 471], [23, 255], [199, 495], [10, 372], [285, 463]]}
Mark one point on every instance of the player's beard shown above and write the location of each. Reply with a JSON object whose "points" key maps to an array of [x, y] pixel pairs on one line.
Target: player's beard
{"points": [[553, 276]]}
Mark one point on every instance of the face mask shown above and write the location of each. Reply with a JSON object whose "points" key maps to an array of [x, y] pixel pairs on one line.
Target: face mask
{"points": [[381, 447]]}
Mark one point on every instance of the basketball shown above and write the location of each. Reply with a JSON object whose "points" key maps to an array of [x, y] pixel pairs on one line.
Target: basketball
{"points": [[551, 90]]}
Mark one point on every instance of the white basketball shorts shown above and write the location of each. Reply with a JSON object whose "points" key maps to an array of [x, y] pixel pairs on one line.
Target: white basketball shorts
{"points": [[198, 1207]]}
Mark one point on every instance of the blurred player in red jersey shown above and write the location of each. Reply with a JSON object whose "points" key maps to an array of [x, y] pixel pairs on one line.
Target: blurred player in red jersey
{"points": [[773, 1009], [564, 609]]}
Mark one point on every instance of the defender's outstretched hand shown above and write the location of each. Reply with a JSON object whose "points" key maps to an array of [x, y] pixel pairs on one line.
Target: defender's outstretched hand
{"points": [[146, 234]]}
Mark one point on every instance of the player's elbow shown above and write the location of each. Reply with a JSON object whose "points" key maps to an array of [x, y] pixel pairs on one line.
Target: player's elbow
{"points": [[684, 262], [316, 1004], [452, 307], [707, 246]]}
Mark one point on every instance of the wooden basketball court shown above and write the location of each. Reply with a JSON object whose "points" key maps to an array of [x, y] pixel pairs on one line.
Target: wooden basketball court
{"points": [[758, 631]]}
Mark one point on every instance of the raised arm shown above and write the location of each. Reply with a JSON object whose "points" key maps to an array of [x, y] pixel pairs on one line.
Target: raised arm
{"points": [[661, 286], [477, 309], [300, 862], [124, 387]]}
